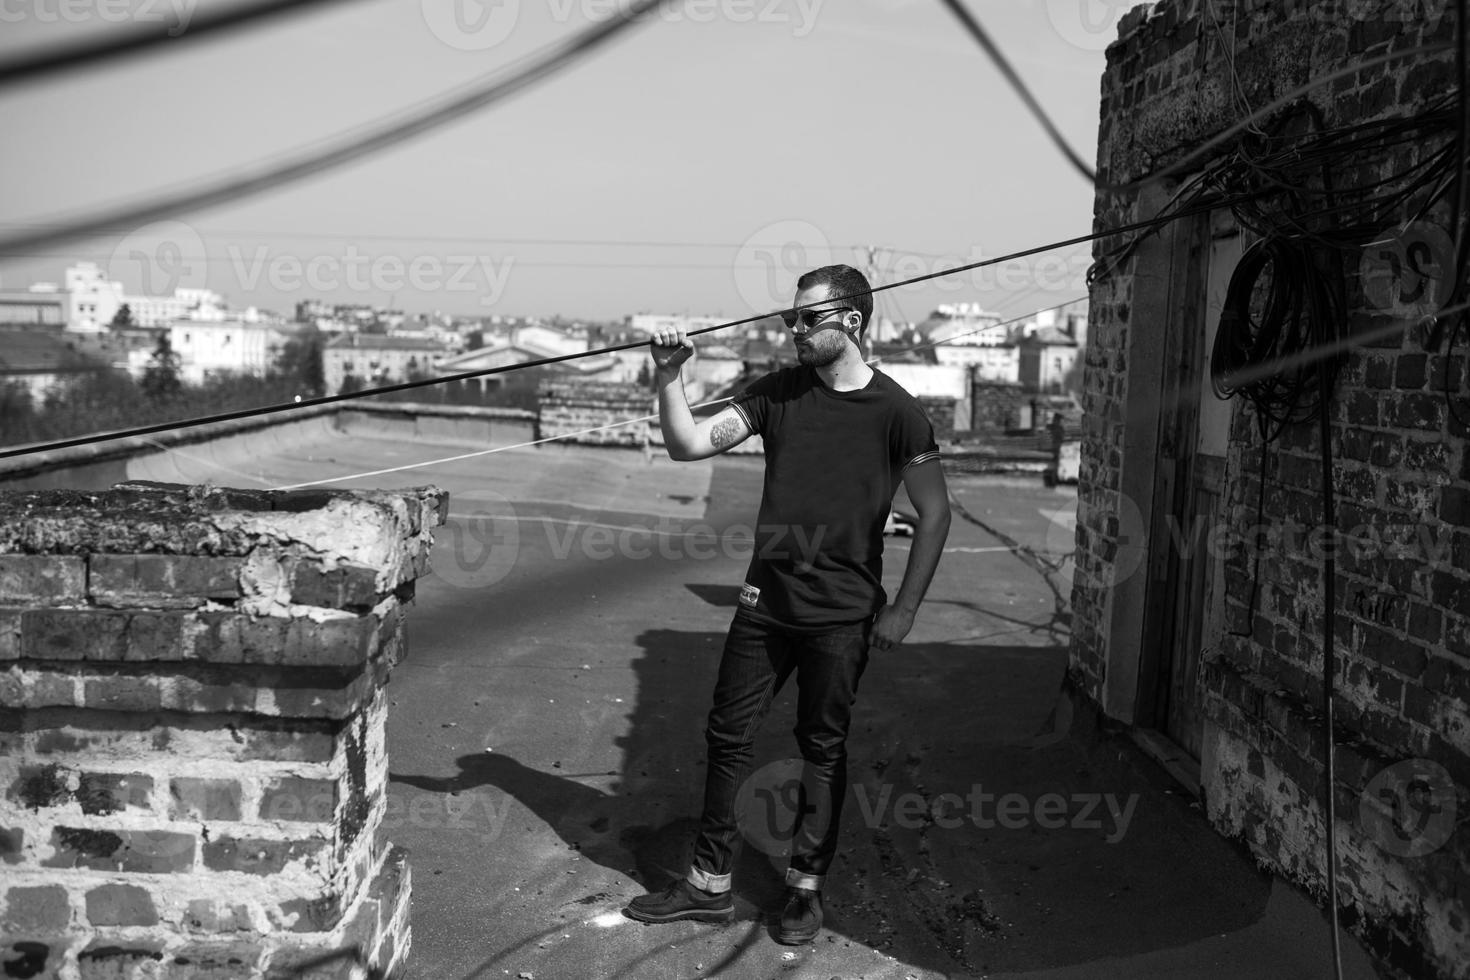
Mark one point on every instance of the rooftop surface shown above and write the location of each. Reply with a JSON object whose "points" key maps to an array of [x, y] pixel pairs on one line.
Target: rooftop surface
{"points": [[547, 756]]}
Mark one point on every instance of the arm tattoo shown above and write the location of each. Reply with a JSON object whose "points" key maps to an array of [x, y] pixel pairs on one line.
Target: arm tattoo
{"points": [[725, 434]]}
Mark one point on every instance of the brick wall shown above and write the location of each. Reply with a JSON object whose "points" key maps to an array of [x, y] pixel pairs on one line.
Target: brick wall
{"points": [[192, 756], [995, 406], [567, 408], [1401, 472]]}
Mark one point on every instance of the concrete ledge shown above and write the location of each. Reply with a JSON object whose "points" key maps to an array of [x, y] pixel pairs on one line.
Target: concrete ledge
{"points": [[105, 463]]}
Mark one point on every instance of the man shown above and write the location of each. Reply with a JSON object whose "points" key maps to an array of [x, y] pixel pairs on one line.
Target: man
{"points": [[839, 437]]}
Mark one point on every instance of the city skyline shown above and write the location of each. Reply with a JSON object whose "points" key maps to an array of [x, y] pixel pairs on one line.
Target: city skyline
{"points": [[668, 202]]}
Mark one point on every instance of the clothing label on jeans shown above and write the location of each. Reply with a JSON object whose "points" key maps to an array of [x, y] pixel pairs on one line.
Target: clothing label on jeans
{"points": [[749, 595]]}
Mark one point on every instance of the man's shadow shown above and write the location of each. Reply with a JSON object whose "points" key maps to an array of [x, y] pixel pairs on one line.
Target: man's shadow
{"points": [[643, 823]]}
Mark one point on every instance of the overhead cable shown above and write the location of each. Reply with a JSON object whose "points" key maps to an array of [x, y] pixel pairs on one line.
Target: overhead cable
{"points": [[110, 46], [544, 361], [413, 122]]}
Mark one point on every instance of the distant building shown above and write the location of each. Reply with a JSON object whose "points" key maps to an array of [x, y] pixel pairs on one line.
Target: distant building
{"points": [[96, 299], [647, 323], [525, 347], [40, 360], [377, 359], [42, 306], [963, 324], [1046, 357], [210, 349]]}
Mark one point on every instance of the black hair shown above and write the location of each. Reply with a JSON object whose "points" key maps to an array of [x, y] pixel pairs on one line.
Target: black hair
{"points": [[845, 284]]}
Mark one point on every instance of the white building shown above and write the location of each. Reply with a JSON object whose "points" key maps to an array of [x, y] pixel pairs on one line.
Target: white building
{"points": [[208, 349], [96, 299], [963, 324], [377, 359]]}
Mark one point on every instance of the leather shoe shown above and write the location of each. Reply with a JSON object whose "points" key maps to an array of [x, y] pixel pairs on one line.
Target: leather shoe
{"points": [[801, 919], [681, 900]]}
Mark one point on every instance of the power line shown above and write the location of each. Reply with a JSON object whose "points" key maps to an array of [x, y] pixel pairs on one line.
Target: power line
{"points": [[1248, 122], [559, 358], [596, 428], [107, 48], [983, 38], [418, 120]]}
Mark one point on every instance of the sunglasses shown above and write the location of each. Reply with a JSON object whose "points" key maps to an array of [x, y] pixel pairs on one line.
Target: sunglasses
{"points": [[810, 318]]}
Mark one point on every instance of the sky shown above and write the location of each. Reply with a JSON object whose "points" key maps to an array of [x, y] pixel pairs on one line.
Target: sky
{"points": [[698, 164]]}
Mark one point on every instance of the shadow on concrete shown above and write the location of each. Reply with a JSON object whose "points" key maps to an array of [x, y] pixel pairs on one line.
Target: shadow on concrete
{"points": [[990, 826]]}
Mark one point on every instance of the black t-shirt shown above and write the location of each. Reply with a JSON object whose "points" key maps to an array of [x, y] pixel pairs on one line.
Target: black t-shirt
{"points": [[834, 460]]}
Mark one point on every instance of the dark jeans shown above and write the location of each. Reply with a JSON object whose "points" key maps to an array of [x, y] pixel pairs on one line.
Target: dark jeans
{"points": [[756, 661]]}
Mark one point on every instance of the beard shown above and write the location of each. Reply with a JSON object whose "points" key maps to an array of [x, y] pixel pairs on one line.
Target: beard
{"points": [[819, 353]]}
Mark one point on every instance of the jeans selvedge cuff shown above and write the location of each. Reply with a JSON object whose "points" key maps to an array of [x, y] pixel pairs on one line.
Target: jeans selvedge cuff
{"points": [[796, 879], [714, 884]]}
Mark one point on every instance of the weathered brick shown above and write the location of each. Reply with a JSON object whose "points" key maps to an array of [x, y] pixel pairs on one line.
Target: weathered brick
{"points": [[12, 844], [112, 959], [299, 799], [1447, 675], [10, 632], [308, 914], [294, 745], [163, 579], [347, 586], [218, 961], [1430, 457], [38, 910], [1362, 409], [1411, 371], [124, 692], [147, 851], [110, 792], [1419, 411], [257, 855], [1454, 505], [42, 578], [156, 636], [33, 958], [38, 787], [195, 798], [121, 905], [74, 634], [217, 915]]}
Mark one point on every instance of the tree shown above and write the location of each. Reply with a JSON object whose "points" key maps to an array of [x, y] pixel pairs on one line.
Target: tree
{"points": [[161, 377], [474, 340], [123, 318], [300, 360]]}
